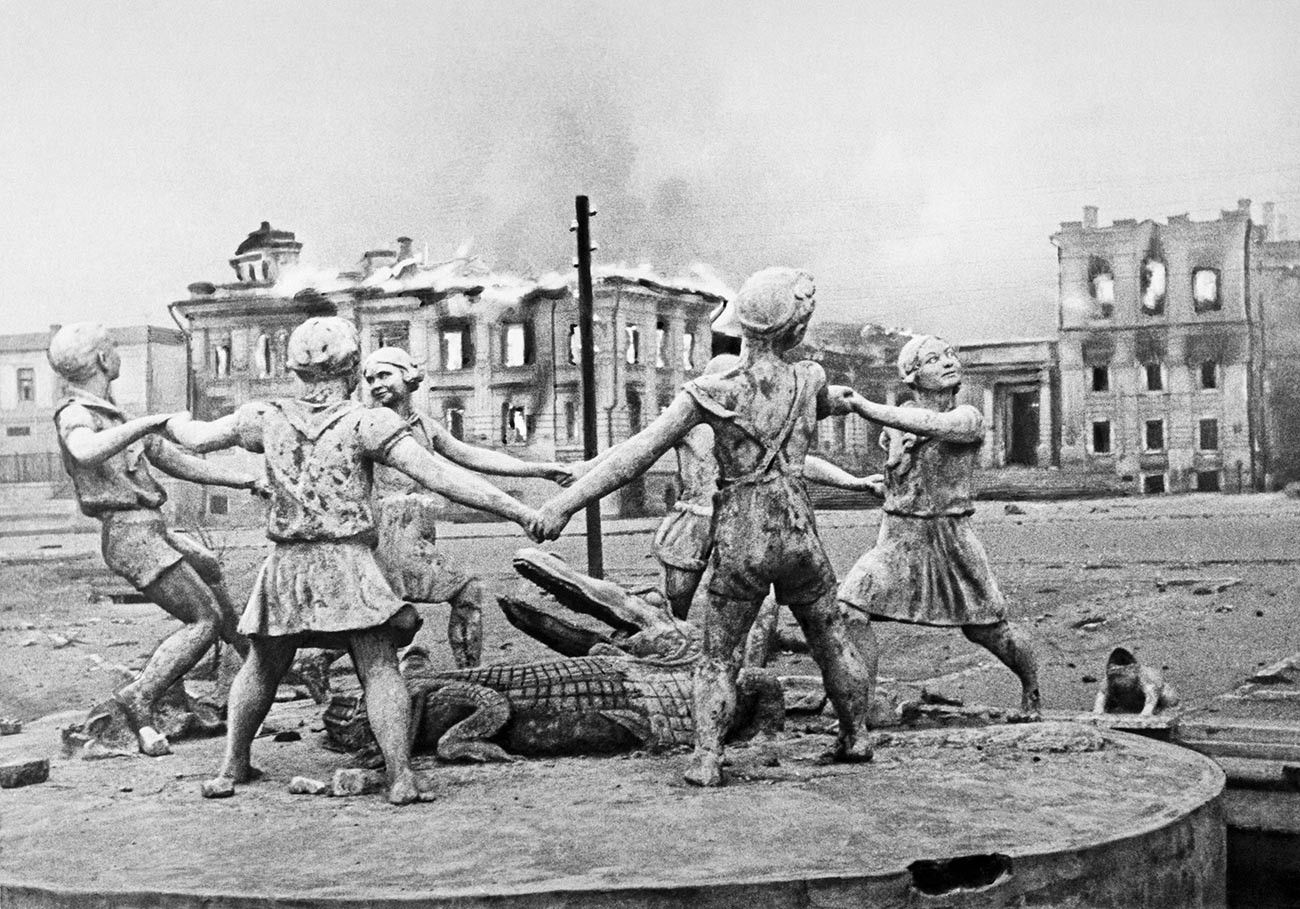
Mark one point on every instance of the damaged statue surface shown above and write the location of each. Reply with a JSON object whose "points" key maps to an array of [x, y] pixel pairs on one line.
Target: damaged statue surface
{"points": [[406, 516], [321, 585], [109, 457], [763, 413], [622, 688], [928, 567]]}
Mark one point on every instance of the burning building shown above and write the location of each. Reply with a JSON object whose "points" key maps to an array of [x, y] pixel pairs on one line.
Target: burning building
{"points": [[1179, 347], [500, 352]]}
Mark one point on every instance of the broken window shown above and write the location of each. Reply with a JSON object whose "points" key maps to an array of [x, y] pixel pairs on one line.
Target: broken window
{"points": [[454, 418], [26, 383], [575, 344], [633, 344], [1205, 289], [661, 340], [265, 364], [1209, 374], [1208, 481], [221, 359], [1153, 435], [457, 347], [1101, 284], [570, 421], [281, 351], [266, 271], [392, 334], [1153, 483], [688, 350], [1101, 378], [1152, 287], [514, 344], [515, 425], [1209, 435], [633, 409], [840, 431], [1154, 373], [1101, 436]]}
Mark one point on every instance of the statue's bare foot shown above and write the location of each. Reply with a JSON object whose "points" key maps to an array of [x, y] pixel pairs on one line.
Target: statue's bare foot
{"points": [[704, 769], [855, 750], [221, 787], [246, 774], [139, 717], [403, 789], [1031, 707]]}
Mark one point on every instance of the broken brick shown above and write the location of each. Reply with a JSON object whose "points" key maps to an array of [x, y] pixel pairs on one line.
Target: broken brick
{"points": [[24, 773]]}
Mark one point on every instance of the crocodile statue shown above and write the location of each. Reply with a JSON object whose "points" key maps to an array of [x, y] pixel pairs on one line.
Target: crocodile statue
{"points": [[624, 685]]}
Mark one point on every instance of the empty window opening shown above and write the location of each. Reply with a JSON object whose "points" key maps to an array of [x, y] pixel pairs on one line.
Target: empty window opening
{"points": [[15, 431], [1101, 378], [1154, 373], [633, 345], [514, 344], [661, 338], [456, 350], [1209, 435], [1101, 437], [1101, 284], [455, 420], [1153, 435], [688, 350], [515, 425], [265, 364], [840, 429], [1153, 483], [1209, 374], [392, 334], [575, 344], [570, 421], [633, 409], [1152, 287], [1208, 481], [26, 383], [221, 359], [1205, 289], [266, 271]]}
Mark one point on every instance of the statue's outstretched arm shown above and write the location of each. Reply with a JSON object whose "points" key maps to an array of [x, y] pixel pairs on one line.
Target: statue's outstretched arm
{"points": [[456, 483], [827, 474], [497, 463], [89, 447], [961, 424]]}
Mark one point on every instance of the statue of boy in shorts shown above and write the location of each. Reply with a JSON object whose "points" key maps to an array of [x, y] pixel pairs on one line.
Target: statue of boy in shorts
{"points": [[321, 585], [406, 516], [763, 413], [108, 456]]}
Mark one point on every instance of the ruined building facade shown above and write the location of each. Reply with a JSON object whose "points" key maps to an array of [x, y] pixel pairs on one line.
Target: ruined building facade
{"points": [[500, 353], [1178, 346]]}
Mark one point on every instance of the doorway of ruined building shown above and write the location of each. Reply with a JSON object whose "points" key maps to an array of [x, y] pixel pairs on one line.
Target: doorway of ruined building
{"points": [[1021, 426]]}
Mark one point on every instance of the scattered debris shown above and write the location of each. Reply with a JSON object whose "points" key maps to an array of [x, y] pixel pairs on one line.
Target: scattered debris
{"points": [[58, 641], [304, 785], [24, 773], [1214, 585], [1013, 508], [1224, 607], [10, 726], [289, 735], [1089, 623], [356, 782], [1089, 680]]}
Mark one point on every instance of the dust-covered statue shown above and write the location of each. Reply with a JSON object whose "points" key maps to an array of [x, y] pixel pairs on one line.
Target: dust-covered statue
{"points": [[108, 455], [763, 413], [1130, 687], [928, 567], [406, 516], [321, 585]]}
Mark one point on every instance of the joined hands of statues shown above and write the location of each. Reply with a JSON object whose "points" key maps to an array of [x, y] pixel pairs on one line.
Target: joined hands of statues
{"points": [[561, 474], [547, 524], [172, 421]]}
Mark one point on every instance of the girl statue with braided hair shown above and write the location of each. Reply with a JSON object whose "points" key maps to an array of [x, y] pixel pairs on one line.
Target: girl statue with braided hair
{"points": [[928, 567]]}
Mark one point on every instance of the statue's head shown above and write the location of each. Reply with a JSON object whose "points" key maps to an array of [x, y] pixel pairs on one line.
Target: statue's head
{"points": [[391, 373], [929, 363], [774, 306], [324, 348], [80, 350]]}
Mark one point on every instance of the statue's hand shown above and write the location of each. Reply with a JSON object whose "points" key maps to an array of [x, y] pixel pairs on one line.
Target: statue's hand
{"points": [[561, 474], [171, 422], [874, 484], [547, 525]]}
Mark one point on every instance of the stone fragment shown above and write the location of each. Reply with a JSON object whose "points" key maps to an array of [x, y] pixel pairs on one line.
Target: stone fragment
{"points": [[356, 782], [10, 726], [24, 773], [302, 785], [153, 743]]}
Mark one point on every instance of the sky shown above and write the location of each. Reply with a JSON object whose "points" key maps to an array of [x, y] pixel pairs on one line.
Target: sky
{"points": [[915, 158]]}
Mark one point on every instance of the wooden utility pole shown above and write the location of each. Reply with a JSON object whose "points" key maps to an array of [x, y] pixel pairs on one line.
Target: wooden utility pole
{"points": [[586, 303]]}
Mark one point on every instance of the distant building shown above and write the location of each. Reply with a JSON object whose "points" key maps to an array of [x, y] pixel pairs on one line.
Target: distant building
{"points": [[1178, 352], [152, 381], [500, 352]]}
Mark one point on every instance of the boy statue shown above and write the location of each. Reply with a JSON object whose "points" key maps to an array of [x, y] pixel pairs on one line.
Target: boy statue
{"points": [[406, 517], [763, 413], [321, 585], [108, 457], [928, 567]]}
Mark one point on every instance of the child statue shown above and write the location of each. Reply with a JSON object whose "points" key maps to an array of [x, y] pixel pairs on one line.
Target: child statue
{"points": [[321, 585], [406, 517], [763, 413], [685, 536], [927, 566], [108, 456]]}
